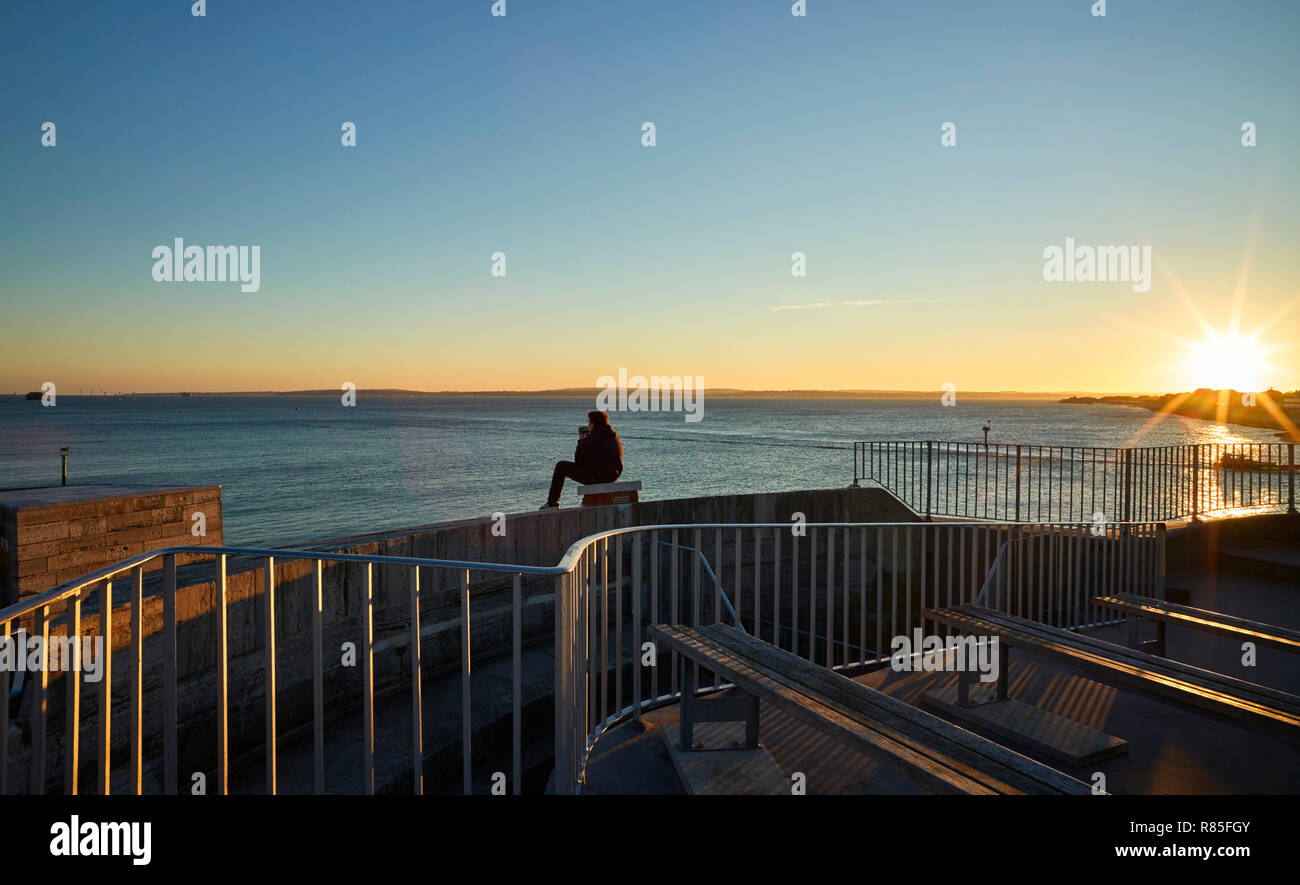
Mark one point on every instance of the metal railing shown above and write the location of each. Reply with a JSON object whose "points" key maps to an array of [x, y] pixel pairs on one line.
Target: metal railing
{"points": [[837, 595], [62, 609], [1032, 483], [832, 593]]}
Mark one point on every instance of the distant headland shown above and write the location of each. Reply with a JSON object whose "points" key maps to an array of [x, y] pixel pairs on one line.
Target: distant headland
{"points": [[1249, 409]]}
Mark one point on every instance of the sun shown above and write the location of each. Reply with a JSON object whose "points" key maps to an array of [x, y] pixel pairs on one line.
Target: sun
{"points": [[1227, 362]]}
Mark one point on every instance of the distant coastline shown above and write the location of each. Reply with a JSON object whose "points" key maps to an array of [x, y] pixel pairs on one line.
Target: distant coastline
{"points": [[590, 393], [1203, 404]]}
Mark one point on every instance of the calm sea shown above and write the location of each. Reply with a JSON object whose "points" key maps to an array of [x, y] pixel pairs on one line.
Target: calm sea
{"points": [[299, 469]]}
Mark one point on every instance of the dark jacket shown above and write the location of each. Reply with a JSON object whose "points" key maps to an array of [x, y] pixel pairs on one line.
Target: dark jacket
{"points": [[600, 453]]}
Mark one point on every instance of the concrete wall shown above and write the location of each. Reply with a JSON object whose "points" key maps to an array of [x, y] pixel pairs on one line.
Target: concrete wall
{"points": [[533, 538], [52, 535], [1196, 545]]}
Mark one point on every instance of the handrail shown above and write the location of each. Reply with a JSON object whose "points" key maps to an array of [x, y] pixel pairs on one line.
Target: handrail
{"points": [[993, 568], [67, 588], [567, 562], [576, 548], [708, 569], [822, 590]]}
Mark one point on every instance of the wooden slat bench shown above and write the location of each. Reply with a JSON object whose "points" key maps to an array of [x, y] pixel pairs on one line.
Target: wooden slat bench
{"points": [[1205, 689], [609, 493], [1164, 612], [931, 752]]}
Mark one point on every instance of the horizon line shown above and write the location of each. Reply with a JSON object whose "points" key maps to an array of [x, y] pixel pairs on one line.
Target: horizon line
{"points": [[725, 392]]}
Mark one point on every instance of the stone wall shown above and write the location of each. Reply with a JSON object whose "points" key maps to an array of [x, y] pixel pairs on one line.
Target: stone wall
{"points": [[52, 535]]}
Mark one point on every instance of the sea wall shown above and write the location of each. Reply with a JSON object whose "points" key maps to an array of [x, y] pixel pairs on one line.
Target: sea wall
{"points": [[1198, 544]]}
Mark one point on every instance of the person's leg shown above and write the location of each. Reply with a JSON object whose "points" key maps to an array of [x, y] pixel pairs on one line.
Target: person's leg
{"points": [[563, 470]]}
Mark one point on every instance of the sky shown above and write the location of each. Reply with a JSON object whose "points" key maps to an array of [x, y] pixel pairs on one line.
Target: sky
{"points": [[774, 134]]}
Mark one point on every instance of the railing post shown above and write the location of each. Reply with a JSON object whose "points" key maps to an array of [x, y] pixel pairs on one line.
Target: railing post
{"points": [[1017, 483], [417, 700], [466, 702], [1290, 478], [105, 709], [565, 776], [72, 716], [368, 683], [856, 449], [40, 687], [268, 598], [4, 716], [1160, 561], [223, 681], [169, 674], [137, 680], [929, 472], [517, 676], [1196, 482], [1128, 484], [318, 673]]}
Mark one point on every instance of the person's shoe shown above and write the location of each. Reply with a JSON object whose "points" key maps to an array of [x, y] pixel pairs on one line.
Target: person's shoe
{"points": [[549, 507]]}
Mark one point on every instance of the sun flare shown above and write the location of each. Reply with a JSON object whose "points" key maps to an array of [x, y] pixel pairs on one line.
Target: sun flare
{"points": [[1228, 362]]}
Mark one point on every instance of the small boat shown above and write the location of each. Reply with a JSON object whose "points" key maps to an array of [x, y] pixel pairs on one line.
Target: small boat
{"points": [[35, 394]]}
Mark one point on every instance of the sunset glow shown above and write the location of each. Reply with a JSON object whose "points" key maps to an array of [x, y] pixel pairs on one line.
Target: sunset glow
{"points": [[1228, 362]]}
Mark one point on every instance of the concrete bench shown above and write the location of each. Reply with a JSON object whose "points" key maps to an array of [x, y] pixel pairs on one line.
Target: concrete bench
{"points": [[1205, 689], [1164, 612], [609, 493], [932, 753]]}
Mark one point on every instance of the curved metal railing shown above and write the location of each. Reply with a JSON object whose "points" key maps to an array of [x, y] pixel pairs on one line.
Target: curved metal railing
{"points": [[782, 582], [70, 596], [791, 587]]}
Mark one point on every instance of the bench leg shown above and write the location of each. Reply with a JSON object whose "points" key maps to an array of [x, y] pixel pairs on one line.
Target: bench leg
{"points": [[970, 677], [741, 708], [1160, 638], [751, 723], [686, 723], [965, 679], [1133, 641]]}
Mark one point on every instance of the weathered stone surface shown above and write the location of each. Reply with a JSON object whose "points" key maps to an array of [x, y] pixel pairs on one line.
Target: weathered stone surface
{"points": [[56, 534]]}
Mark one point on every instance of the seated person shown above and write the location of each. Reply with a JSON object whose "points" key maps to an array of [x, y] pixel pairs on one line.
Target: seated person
{"points": [[598, 458]]}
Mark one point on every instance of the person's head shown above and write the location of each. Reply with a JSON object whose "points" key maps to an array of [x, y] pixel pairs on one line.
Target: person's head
{"points": [[597, 418]]}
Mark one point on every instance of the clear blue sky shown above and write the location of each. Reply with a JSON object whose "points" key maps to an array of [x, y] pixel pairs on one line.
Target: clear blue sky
{"points": [[523, 134]]}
